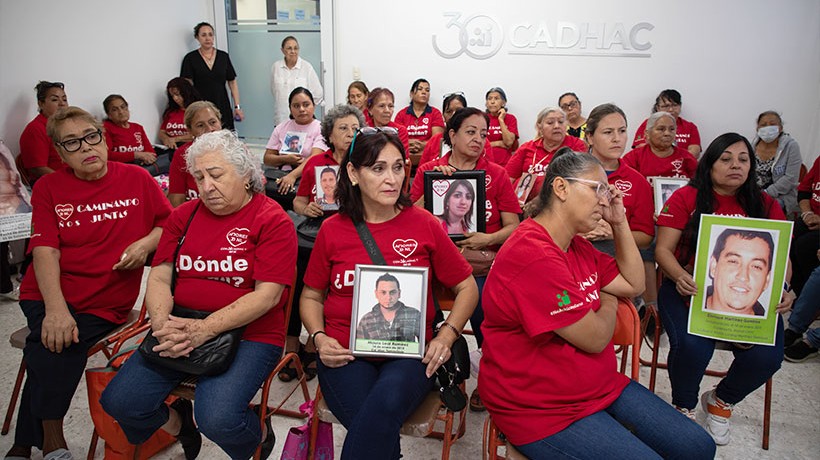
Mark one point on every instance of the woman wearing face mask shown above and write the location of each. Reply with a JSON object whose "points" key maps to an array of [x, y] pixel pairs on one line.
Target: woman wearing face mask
{"points": [[421, 119], [37, 152], [687, 135], [660, 156], [533, 157], [503, 128], [380, 106], [778, 161], [576, 123], [127, 141]]}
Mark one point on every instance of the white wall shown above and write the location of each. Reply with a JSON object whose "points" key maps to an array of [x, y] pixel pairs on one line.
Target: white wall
{"points": [[730, 59], [96, 47]]}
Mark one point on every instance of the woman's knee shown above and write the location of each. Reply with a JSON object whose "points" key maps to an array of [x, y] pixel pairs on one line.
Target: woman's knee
{"points": [[220, 423]]}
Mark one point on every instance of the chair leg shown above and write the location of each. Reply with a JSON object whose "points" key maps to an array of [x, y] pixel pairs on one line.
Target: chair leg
{"points": [[15, 393], [767, 414]]}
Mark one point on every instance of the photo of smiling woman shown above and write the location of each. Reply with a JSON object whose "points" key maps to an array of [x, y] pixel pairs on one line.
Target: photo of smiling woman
{"points": [[457, 218]]}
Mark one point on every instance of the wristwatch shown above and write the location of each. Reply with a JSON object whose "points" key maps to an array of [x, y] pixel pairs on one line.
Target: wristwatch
{"points": [[236, 107]]}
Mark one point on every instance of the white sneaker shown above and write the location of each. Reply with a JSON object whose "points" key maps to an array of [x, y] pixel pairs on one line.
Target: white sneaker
{"points": [[689, 413], [13, 295], [475, 357], [717, 417]]}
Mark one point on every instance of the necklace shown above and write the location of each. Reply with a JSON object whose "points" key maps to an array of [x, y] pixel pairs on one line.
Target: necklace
{"points": [[208, 60]]}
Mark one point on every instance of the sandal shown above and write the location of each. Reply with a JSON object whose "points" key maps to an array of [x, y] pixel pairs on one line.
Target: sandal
{"points": [[475, 402], [288, 373], [308, 363], [270, 439]]}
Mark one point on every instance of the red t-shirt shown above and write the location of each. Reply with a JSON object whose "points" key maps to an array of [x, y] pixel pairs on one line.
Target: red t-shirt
{"points": [[179, 179], [91, 223], [680, 164], [307, 186], [436, 148], [501, 155], [123, 142], [420, 128], [36, 148], [499, 194], [532, 158], [224, 256], [403, 137], [681, 205], [686, 134], [811, 183], [414, 238], [533, 382], [638, 200], [174, 123]]}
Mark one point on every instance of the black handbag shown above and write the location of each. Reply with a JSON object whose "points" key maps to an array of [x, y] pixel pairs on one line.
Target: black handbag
{"points": [[307, 228], [272, 188], [159, 167], [212, 357]]}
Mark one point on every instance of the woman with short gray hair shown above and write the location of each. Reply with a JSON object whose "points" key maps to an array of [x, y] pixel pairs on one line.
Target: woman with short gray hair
{"points": [[660, 157]]}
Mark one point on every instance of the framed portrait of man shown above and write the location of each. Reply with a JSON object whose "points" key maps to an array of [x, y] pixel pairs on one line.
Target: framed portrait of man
{"points": [[293, 142], [457, 201], [663, 188], [326, 177], [389, 311], [740, 267]]}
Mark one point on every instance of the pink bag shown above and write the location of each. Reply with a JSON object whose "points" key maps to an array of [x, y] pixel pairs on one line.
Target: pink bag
{"points": [[296, 444]]}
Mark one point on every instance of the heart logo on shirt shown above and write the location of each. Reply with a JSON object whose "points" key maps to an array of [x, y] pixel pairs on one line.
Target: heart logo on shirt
{"points": [[441, 186], [64, 211], [623, 185], [487, 180], [677, 164], [237, 236], [405, 248]]}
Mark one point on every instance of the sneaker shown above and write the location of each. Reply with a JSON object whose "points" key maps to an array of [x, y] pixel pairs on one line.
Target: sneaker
{"points": [[689, 413], [189, 436], [800, 352], [790, 337], [717, 417], [13, 295], [59, 454]]}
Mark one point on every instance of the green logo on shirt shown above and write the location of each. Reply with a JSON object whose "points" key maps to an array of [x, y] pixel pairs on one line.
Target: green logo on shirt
{"points": [[563, 298]]}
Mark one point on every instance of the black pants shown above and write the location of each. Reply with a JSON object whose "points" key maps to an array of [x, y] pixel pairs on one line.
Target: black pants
{"points": [[295, 321], [5, 269], [52, 378], [803, 254]]}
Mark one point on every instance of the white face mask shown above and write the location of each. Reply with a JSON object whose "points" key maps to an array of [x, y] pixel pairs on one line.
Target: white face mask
{"points": [[768, 133]]}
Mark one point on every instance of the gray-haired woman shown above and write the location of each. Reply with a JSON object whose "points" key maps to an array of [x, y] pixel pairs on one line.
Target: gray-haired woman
{"points": [[223, 267]]}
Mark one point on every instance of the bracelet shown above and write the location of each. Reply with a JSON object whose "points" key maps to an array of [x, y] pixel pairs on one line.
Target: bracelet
{"points": [[237, 107], [455, 330], [312, 337], [786, 286]]}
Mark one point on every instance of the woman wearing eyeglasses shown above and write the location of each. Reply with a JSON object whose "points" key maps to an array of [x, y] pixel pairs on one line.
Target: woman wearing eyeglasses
{"points": [[576, 123], [37, 151], [373, 397], [687, 135], [421, 120], [380, 106], [96, 221], [548, 372], [502, 131]]}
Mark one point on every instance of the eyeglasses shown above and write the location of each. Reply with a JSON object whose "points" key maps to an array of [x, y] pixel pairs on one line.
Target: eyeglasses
{"points": [[72, 145], [570, 105], [457, 93], [601, 189], [368, 130]]}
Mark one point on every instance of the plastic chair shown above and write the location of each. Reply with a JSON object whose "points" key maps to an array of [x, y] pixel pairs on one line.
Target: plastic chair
{"points": [[654, 364], [18, 340], [627, 334]]}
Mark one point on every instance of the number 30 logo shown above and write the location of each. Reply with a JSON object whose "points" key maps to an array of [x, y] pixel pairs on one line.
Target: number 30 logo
{"points": [[479, 36]]}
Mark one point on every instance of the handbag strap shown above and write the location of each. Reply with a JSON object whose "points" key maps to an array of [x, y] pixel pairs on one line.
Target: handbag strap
{"points": [[181, 240], [370, 244]]}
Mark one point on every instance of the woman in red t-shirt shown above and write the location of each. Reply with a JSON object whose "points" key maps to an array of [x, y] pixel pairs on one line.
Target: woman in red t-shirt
{"points": [[373, 397], [549, 373], [200, 117], [380, 107], [216, 255], [724, 184], [172, 131], [687, 135], [660, 156], [37, 152], [502, 130], [127, 141], [421, 120]]}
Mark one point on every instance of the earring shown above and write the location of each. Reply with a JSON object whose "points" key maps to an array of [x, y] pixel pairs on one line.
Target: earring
{"points": [[353, 182], [247, 186]]}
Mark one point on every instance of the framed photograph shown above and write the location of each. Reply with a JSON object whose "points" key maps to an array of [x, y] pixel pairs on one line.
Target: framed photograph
{"points": [[457, 201], [740, 266], [663, 187], [389, 311], [523, 187], [293, 142], [326, 177]]}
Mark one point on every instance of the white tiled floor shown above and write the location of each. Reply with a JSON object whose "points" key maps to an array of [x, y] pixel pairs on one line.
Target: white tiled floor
{"points": [[795, 432]]}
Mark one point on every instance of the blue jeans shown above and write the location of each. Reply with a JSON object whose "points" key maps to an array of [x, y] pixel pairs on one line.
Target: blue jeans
{"points": [[136, 398], [690, 354], [805, 308], [372, 399], [478, 314], [637, 425]]}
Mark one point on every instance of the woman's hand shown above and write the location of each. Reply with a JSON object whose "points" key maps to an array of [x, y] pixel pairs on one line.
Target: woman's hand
{"points": [[786, 302], [438, 352], [812, 221], [169, 143], [145, 158], [238, 113], [415, 146], [287, 184], [174, 342], [447, 170], [502, 112], [134, 256], [313, 209], [600, 233], [331, 352], [685, 285], [614, 213], [59, 330], [476, 240], [293, 159]]}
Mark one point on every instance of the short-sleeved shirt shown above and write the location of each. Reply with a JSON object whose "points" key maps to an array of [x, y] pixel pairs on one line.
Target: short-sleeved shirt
{"points": [[421, 127], [309, 135], [533, 382], [680, 207], [436, 148], [36, 148], [173, 123], [179, 179], [686, 134], [123, 142], [91, 223], [223, 257], [533, 158], [811, 184], [680, 163], [499, 194], [414, 238], [501, 155], [637, 198], [307, 186]]}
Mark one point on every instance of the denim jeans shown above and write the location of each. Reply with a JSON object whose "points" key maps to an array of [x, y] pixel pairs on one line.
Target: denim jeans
{"points": [[135, 398], [372, 399], [805, 308], [637, 425], [478, 314], [689, 356]]}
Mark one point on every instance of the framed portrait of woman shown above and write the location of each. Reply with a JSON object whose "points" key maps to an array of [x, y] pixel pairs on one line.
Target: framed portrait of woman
{"points": [[457, 201]]}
